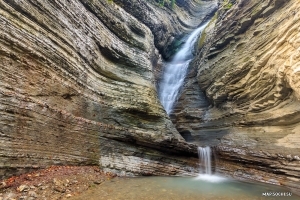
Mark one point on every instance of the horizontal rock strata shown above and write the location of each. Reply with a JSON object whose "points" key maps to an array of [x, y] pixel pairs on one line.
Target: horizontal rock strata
{"points": [[126, 159], [74, 72], [242, 93]]}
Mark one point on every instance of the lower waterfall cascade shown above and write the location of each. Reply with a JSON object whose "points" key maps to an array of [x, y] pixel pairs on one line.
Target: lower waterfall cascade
{"points": [[206, 174], [205, 159]]}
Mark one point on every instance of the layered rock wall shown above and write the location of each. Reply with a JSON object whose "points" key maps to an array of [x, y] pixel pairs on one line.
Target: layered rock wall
{"points": [[242, 93], [77, 73]]}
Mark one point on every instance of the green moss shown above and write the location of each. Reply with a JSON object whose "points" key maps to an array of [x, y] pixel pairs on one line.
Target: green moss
{"points": [[166, 3], [215, 17], [203, 34], [202, 39], [246, 59], [228, 6]]}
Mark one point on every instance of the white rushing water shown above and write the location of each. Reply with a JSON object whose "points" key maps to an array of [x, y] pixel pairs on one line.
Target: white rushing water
{"points": [[175, 71], [205, 163], [205, 159]]}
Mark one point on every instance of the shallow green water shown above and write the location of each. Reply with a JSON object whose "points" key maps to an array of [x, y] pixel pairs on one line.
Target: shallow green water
{"points": [[178, 188]]}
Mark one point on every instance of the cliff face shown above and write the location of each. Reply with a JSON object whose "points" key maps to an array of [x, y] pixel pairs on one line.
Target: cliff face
{"points": [[242, 93], [77, 84]]}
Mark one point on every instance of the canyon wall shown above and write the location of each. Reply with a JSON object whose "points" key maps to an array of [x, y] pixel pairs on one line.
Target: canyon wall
{"points": [[77, 84], [242, 92], [78, 87]]}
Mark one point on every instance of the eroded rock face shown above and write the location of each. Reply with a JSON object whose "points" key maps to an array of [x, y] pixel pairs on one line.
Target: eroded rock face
{"points": [[242, 93], [77, 73], [169, 25]]}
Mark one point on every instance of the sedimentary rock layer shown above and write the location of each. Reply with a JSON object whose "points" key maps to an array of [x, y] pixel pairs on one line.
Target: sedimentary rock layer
{"points": [[242, 93], [73, 72], [129, 159]]}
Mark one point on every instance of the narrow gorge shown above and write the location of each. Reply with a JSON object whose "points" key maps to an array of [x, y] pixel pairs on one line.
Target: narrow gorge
{"points": [[81, 80], [78, 85]]}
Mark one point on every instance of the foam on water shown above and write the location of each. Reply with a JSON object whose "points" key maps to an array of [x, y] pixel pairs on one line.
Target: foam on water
{"points": [[211, 178], [204, 157], [206, 171]]}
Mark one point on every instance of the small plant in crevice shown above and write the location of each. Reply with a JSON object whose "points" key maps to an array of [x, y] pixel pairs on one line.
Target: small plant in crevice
{"points": [[167, 3], [173, 3], [227, 4]]}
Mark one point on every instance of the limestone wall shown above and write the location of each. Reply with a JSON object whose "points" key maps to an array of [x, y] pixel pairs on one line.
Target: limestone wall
{"points": [[242, 93], [73, 72]]}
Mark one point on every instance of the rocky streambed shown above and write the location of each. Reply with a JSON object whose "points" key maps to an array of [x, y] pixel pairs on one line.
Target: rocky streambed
{"points": [[52, 183]]}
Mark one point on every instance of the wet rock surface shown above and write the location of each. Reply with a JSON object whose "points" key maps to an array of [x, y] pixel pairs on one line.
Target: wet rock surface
{"points": [[241, 95]]}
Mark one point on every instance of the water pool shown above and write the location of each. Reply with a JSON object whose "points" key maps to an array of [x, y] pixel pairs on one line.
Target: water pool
{"points": [[187, 188]]}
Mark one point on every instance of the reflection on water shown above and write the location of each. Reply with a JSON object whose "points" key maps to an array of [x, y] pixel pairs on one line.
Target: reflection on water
{"points": [[187, 188]]}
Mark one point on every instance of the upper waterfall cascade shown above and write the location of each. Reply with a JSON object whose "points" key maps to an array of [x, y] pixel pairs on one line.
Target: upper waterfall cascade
{"points": [[175, 71]]}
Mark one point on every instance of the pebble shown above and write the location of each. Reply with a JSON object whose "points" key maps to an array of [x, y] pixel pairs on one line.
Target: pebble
{"points": [[32, 194], [44, 187], [9, 196], [98, 182], [22, 188], [40, 184], [68, 195], [55, 181], [23, 198], [59, 189]]}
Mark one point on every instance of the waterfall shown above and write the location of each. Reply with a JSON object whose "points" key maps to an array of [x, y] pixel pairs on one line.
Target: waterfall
{"points": [[205, 159], [175, 71], [205, 169]]}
